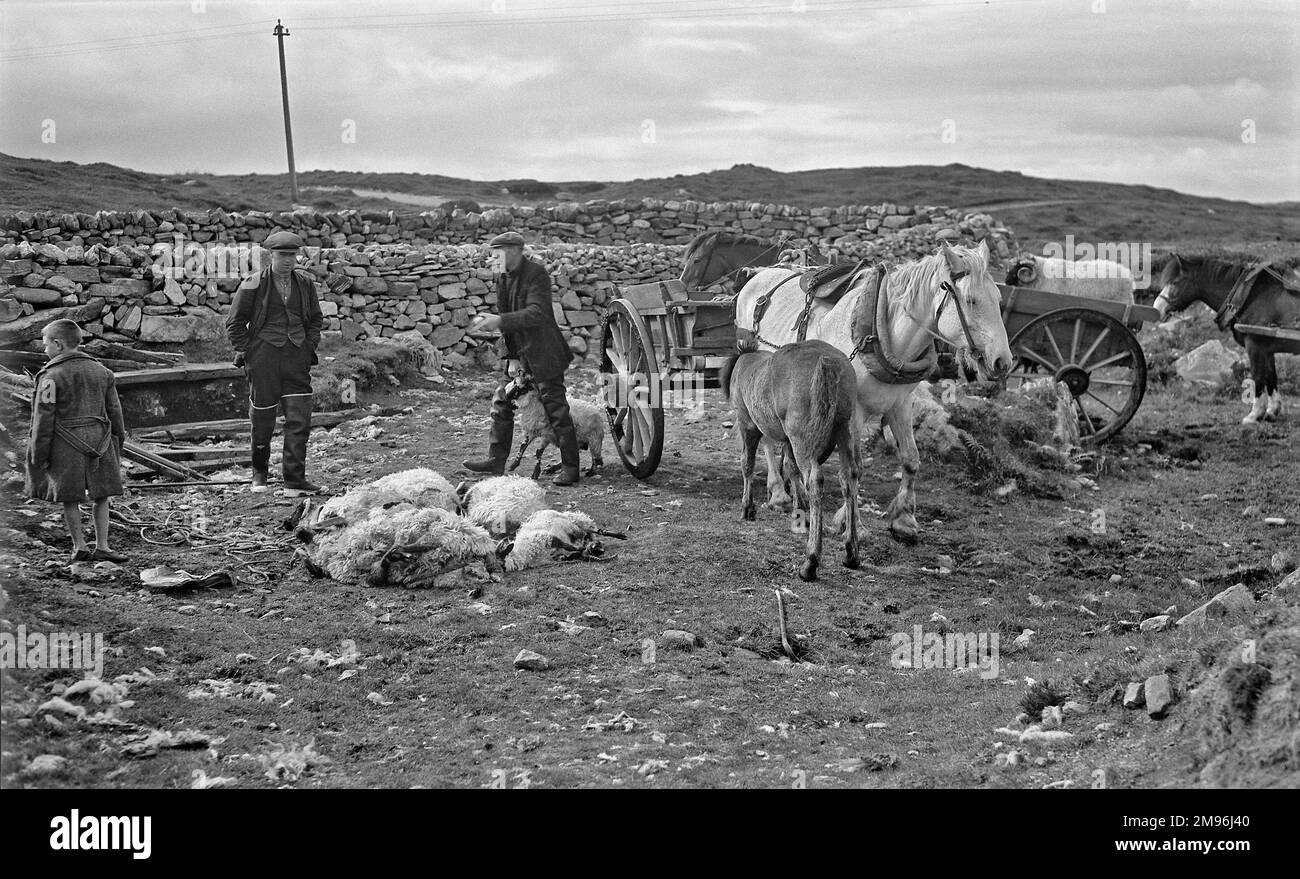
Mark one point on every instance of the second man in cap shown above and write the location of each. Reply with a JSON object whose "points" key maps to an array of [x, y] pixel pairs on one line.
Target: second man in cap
{"points": [[530, 336]]}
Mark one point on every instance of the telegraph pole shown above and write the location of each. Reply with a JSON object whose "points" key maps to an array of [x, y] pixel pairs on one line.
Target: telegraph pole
{"points": [[280, 33]]}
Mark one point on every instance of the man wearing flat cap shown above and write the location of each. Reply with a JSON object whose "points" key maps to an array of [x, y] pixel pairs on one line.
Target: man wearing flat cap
{"points": [[275, 323], [530, 337]]}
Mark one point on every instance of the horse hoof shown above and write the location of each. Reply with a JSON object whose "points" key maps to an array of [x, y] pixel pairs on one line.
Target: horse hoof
{"points": [[748, 515], [808, 571], [852, 561], [903, 532]]}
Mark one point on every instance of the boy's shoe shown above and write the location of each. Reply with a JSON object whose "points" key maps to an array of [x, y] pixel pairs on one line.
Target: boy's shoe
{"points": [[107, 555], [486, 465], [302, 487], [259, 481], [82, 555], [566, 476]]}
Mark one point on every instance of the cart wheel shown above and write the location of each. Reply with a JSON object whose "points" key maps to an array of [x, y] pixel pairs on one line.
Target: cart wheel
{"points": [[1096, 356], [633, 399]]}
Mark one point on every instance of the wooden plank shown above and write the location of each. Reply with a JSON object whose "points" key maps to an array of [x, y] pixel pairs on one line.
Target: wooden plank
{"points": [[34, 361], [27, 328], [103, 348], [1028, 301], [1271, 332], [232, 426], [189, 372]]}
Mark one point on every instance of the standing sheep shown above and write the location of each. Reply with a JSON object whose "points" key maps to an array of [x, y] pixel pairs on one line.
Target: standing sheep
{"points": [[588, 422]]}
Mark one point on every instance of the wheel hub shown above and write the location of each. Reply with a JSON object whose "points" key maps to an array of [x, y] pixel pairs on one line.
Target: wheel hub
{"points": [[1075, 379]]}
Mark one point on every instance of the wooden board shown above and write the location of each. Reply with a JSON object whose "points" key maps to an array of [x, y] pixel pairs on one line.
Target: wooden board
{"points": [[1022, 304], [231, 426], [1288, 339]]}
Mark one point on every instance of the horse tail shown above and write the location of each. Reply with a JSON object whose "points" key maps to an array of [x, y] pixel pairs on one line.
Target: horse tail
{"points": [[825, 404]]}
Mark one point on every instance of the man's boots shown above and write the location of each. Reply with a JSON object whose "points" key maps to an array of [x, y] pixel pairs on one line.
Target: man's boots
{"points": [[500, 437], [568, 443], [297, 428], [263, 428]]}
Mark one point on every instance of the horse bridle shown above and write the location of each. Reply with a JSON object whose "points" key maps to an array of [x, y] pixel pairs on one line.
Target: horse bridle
{"points": [[950, 294]]}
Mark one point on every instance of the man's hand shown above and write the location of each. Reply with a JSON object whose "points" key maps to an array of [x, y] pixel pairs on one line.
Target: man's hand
{"points": [[514, 368], [486, 323]]}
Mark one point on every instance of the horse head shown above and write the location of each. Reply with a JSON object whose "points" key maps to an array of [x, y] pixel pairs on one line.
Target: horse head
{"points": [[968, 312], [1178, 288]]}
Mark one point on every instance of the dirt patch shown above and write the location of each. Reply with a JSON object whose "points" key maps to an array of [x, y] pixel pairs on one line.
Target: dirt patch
{"points": [[430, 695]]}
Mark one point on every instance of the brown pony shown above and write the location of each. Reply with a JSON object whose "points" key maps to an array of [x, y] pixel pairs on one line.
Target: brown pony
{"points": [[804, 397], [1241, 291]]}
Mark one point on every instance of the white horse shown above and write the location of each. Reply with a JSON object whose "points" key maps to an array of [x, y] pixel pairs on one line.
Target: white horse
{"points": [[949, 296]]}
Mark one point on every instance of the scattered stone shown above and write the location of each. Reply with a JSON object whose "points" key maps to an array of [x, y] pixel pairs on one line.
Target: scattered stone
{"points": [[1133, 695], [527, 660], [47, 764], [1052, 717], [1238, 597], [1037, 736], [1159, 696], [680, 639], [1155, 624]]}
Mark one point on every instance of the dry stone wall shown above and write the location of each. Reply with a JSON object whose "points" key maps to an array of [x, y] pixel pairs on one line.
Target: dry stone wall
{"points": [[168, 276]]}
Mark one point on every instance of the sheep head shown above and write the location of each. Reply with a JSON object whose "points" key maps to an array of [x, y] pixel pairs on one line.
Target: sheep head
{"points": [[1023, 271]]}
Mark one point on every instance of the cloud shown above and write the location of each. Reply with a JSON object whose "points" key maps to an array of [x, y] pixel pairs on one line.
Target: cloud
{"points": [[1149, 93]]}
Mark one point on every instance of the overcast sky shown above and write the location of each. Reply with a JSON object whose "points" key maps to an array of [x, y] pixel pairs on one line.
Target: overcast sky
{"points": [[1199, 96]]}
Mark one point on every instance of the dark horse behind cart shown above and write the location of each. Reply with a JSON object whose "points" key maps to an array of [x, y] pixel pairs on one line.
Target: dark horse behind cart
{"points": [[1257, 300]]}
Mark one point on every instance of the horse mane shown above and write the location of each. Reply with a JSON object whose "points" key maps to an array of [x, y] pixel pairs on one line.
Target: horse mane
{"points": [[909, 281], [1222, 266]]}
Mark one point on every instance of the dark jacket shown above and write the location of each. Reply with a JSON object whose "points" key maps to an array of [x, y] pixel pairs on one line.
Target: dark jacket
{"points": [[248, 309], [77, 431], [528, 329]]}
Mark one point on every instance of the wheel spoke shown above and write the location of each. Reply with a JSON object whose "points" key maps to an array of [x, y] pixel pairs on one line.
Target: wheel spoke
{"points": [[1114, 358], [1074, 343], [1051, 337], [1101, 401], [1085, 417], [1027, 354], [1100, 337], [1113, 382]]}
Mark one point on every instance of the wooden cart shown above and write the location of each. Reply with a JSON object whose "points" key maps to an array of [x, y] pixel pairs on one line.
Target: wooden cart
{"points": [[660, 341], [1087, 344]]}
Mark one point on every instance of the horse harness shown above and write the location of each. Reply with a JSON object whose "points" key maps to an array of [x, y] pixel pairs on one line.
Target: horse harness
{"points": [[1243, 291], [886, 368]]}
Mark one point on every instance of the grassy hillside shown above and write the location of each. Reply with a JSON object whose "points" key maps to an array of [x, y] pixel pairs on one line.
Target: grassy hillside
{"points": [[1039, 210]]}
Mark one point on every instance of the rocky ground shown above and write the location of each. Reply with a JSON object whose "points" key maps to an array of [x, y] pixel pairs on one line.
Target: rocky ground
{"points": [[663, 662]]}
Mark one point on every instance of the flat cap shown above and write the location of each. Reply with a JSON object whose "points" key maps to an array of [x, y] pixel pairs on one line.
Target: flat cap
{"points": [[507, 239], [282, 241]]}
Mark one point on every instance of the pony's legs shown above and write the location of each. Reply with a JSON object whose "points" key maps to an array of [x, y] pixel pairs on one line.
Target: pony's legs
{"points": [[1259, 363], [813, 482], [778, 499], [794, 478], [1270, 378], [850, 474], [902, 510], [749, 440]]}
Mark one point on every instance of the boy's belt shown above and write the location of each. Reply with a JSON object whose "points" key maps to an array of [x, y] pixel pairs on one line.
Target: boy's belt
{"points": [[62, 432]]}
